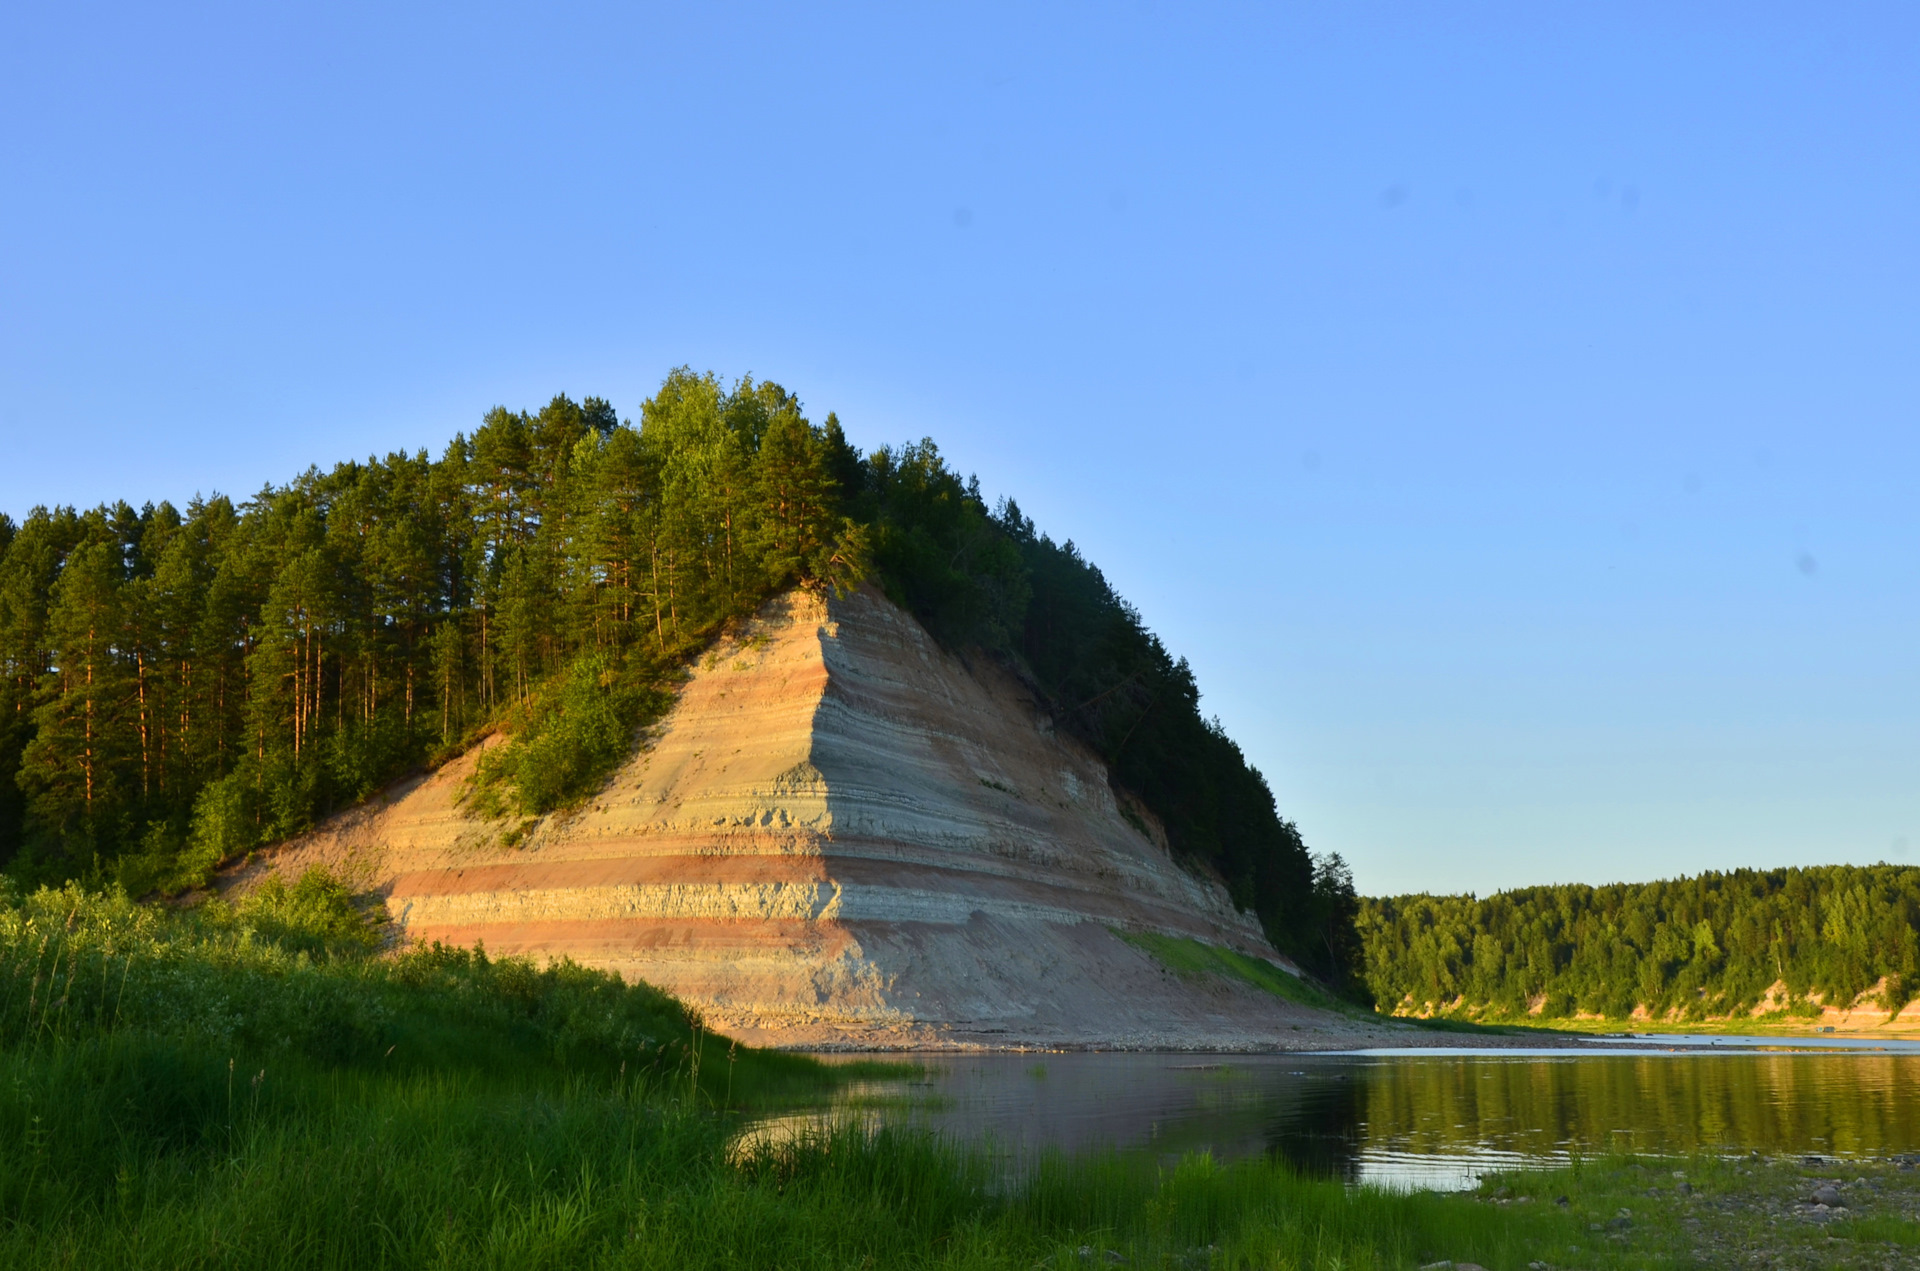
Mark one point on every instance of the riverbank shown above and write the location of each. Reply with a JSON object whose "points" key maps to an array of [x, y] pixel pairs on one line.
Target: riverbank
{"points": [[1854, 1024], [255, 1088], [308, 1168], [430, 1172], [1813, 1213]]}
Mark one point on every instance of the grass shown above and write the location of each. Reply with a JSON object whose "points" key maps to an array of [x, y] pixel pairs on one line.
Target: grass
{"points": [[1721, 1211], [295, 975], [137, 1155], [1774, 1024], [1470, 1028], [1193, 959], [258, 1086]]}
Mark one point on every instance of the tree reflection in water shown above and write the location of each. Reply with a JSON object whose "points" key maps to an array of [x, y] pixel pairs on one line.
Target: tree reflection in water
{"points": [[1318, 1123], [1411, 1119]]}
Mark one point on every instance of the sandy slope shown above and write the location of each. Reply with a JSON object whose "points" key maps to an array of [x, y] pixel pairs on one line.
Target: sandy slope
{"points": [[842, 836]]}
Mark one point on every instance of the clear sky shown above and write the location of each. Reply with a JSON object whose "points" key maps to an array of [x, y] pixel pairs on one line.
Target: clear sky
{"points": [[1509, 409]]}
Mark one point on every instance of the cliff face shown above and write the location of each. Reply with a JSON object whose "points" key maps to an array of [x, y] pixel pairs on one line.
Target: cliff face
{"points": [[840, 835]]}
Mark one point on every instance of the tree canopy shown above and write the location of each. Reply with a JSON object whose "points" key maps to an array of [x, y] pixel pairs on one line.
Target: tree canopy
{"points": [[182, 686]]}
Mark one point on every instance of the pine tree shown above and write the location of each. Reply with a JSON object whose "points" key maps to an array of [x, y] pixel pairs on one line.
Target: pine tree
{"points": [[74, 769]]}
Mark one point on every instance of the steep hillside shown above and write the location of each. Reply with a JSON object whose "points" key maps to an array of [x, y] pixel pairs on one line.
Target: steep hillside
{"points": [[179, 690], [840, 834]]}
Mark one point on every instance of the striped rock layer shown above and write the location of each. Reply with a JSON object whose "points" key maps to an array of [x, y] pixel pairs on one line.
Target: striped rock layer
{"points": [[840, 835]]}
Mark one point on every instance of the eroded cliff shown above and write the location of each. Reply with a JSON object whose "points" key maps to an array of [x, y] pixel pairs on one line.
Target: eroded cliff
{"points": [[840, 835]]}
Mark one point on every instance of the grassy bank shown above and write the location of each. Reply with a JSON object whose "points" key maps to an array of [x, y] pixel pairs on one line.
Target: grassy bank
{"points": [[1769, 1025], [433, 1172], [1787, 1028], [1195, 960], [259, 1086], [1720, 1212]]}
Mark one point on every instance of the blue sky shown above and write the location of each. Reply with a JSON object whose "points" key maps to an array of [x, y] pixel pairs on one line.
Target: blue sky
{"points": [[1509, 409]]}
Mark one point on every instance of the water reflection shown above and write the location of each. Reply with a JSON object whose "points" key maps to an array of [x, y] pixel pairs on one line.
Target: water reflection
{"points": [[1322, 1129], [1430, 1120]]}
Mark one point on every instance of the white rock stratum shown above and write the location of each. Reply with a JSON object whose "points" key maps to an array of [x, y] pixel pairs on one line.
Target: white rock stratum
{"points": [[840, 835]]}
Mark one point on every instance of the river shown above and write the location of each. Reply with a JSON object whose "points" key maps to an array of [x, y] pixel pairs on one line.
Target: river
{"points": [[1432, 1118]]}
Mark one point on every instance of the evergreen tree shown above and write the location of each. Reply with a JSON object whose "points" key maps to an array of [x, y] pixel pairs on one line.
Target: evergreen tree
{"points": [[1715, 944], [75, 768]]}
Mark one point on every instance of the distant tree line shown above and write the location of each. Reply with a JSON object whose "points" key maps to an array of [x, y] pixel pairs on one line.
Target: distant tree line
{"points": [[182, 686], [1710, 945]]}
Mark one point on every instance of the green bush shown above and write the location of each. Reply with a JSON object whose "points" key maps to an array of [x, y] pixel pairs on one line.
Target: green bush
{"points": [[585, 732], [317, 916], [575, 730]]}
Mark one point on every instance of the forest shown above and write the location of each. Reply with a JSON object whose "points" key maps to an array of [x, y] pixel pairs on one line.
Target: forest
{"points": [[1686, 948], [182, 686]]}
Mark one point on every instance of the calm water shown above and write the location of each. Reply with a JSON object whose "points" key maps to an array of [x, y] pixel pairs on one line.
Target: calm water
{"points": [[1432, 1118]]}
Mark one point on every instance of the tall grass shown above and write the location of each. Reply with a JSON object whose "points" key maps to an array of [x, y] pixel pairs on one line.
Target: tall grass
{"points": [[256, 1087], [1192, 959], [294, 974], [144, 1156]]}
